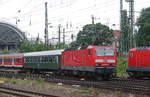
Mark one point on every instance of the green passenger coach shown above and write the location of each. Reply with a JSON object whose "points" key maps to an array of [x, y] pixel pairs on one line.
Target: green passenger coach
{"points": [[46, 60]]}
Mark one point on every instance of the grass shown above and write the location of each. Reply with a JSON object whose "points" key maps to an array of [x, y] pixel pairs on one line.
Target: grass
{"points": [[38, 82], [122, 66], [83, 91]]}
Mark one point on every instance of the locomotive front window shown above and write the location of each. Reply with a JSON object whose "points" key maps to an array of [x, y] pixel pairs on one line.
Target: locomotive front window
{"points": [[109, 52], [104, 52]]}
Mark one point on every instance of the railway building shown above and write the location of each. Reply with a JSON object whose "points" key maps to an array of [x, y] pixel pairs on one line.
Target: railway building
{"points": [[10, 37]]}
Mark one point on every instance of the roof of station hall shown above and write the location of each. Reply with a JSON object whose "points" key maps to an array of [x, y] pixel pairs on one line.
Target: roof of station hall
{"points": [[9, 34]]}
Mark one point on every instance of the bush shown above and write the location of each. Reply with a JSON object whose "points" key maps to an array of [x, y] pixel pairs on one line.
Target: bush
{"points": [[122, 66], [5, 51]]}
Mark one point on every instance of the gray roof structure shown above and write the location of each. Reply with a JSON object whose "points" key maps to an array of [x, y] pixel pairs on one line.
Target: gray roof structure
{"points": [[10, 34]]}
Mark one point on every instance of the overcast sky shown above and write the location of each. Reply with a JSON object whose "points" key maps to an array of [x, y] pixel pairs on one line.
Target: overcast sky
{"points": [[71, 14]]}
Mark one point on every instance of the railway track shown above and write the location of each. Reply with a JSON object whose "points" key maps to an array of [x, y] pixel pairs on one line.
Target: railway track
{"points": [[125, 85], [22, 93]]}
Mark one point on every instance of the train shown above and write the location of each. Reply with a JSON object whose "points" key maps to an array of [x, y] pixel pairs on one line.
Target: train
{"points": [[90, 61], [139, 62]]}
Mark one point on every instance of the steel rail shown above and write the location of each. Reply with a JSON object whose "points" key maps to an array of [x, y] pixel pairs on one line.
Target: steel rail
{"points": [[23, 93], [125, 85]]}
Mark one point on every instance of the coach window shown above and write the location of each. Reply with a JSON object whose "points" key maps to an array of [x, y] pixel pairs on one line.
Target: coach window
{"points": [[48, 59], [7, 60], [42, 60], [52, 59], [45, 59], [1, 61], [17, 60], [27, 60], [30, 59], [37, 59], [56, 57], [33, 59]]}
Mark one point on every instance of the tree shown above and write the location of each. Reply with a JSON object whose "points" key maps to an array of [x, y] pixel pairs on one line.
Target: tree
{"points": [[5, 51], [143, 23], [36, 46], [94, 34]]}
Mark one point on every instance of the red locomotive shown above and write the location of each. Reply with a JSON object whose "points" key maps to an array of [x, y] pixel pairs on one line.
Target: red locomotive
{"points": [[91, 60], [139, 62]]}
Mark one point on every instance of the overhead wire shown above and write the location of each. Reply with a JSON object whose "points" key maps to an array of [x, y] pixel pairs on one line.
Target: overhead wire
{"points": [[57, 17]]}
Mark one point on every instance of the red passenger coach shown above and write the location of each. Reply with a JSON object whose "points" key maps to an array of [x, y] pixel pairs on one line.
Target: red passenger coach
{"points": [[91, 59], [139, 62], [11, 60]]}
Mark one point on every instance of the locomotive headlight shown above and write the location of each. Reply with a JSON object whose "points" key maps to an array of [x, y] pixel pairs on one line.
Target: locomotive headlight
{"points": [[112, 61], [99, 60]]}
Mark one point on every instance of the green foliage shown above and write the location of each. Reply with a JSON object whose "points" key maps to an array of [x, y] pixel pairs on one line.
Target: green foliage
{"points": [[5, 51], [31, 47], [122, 66], [94, 34], [13, 81], [83, 91], [143, 35]]}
